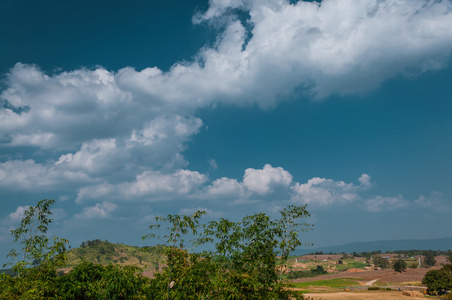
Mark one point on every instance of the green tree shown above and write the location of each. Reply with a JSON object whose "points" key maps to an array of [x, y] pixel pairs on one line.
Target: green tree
{"points": [[37, 260], [400, 266], [93, 281], [439, 281], [429, 258], [36, 248], [243, 264], [380, 262]]}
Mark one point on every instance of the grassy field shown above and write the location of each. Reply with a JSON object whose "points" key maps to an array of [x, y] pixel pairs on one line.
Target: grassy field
{"points": [[332, 283], [351, 264]]}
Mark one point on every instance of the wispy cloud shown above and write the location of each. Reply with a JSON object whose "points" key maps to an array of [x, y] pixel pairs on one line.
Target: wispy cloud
{"points": [[380, 203], [99, 211]]}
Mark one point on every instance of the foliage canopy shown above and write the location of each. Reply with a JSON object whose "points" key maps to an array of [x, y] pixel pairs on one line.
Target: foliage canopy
{"points": [[244, 260], [243, 264], [439, 281], [400, 266]]}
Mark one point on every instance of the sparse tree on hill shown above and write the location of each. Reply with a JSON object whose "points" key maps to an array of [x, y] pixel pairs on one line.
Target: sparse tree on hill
{"points": [[400, 266], [429, 259], [380, 262]]}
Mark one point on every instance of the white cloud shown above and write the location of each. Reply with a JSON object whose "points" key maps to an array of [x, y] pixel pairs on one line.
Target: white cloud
{"points": [[322, 192], [157, 146], [150, 185], [380, 203], [19, 213], [332, 47], [32, 176], [263, 181], [16, 217], [364, 180], [99, 211], [435, 202], [257, 184], [213, 164], [225, 187], [117, 126], [336, 46]]}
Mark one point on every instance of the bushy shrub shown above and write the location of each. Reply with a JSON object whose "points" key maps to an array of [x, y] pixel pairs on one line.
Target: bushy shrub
{"points": [[319, 270], [92, 281]]}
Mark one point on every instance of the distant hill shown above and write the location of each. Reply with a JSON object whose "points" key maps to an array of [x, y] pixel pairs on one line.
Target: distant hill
{"points": [[104, 253], [385, 245]]}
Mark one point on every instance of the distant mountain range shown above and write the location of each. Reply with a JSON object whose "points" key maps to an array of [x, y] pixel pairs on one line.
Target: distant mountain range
{"points": [[385, 245]]}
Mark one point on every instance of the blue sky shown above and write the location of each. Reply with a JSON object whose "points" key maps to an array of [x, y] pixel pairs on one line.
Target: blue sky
{"points": [[125, 111]]}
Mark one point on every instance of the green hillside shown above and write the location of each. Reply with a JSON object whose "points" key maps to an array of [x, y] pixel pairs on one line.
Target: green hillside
{"points": [[104, 253]]}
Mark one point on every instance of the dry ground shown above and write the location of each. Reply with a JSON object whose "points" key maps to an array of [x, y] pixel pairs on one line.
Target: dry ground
{"points": [[361, 295], [383, 276]]}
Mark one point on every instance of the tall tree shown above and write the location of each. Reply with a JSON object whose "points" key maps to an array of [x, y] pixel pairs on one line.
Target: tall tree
{"points": [[244, 261], [36, 247], [429, 258]]}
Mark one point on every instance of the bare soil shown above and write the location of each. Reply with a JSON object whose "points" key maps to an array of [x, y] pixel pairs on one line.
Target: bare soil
{"points": [[371, 295]]}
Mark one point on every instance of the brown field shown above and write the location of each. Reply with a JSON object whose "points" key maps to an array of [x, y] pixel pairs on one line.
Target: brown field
{"points": [[370, 295], [383, 276], [408, 282]]}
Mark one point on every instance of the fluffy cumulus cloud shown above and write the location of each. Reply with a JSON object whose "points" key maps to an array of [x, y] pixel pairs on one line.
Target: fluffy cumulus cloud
{"points": [[123, 133], [263, 181], [321, 191], [150, 185], [27, 175], [336, 46], [257, 184]]}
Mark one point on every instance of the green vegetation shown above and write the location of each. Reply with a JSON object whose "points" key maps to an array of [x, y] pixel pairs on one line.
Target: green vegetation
{"points": [[103, 252], [333, 283], [349, 264], [380, 262], [36, 248], [244, 263], [319, 270], [429, 259], [438, 281], [400, 266]]}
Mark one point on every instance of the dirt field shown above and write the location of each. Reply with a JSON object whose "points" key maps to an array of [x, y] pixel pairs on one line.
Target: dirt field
{"points": [[386, 278], [371, 295], [383, 276]]}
